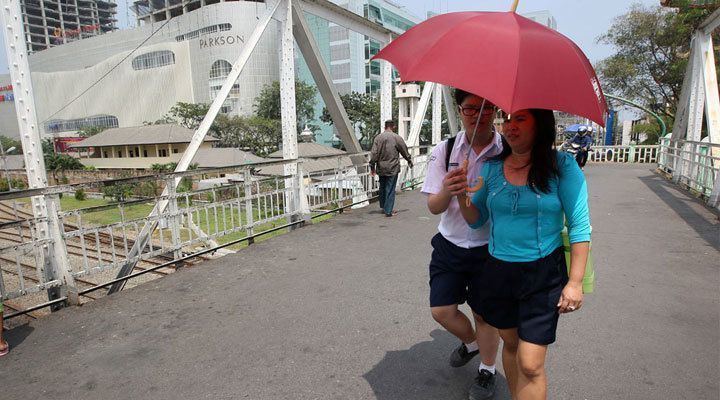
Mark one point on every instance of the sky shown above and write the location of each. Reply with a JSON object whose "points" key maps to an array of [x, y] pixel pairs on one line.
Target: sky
{"points": [[581, 20]]}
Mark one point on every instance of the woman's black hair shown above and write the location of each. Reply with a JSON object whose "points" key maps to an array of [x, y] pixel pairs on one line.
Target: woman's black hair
{"points": [[543, 157]]}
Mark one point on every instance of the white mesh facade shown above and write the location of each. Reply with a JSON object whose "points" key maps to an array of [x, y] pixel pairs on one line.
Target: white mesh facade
{"points": [[185, 61]]}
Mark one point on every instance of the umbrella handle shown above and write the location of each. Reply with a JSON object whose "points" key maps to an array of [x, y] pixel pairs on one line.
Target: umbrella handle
{"points": [[475, 188], [514, 6]]}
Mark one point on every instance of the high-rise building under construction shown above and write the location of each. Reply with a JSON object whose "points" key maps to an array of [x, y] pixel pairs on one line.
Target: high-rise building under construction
{"points": [[49, 23]]}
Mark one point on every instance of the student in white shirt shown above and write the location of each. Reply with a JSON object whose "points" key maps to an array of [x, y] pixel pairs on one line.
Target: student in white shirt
{"points": [[460, 252]]}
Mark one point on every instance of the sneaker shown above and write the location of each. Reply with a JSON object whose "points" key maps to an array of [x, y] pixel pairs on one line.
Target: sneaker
{"points": [[461, 356], [484, 386]]}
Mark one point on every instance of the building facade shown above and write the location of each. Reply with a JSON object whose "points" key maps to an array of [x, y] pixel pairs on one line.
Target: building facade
{"points": [[347, 54], [137, 147], [125, 78], [542, 17], [49, 23]]}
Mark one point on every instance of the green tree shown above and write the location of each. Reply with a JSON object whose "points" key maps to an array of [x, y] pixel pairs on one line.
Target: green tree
{"points": [[260, 136], [90, 131], [189, 115], [652, 46], [8, 143], [119, 191], [267, 103], [363, 111], [48, 147], [59, 163], [650, 130]]}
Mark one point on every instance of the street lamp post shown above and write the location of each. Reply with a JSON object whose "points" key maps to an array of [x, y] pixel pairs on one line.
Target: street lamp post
{"points": [[7, 174]]}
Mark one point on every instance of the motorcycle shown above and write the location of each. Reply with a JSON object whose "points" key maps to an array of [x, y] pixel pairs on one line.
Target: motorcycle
{"points": [[580, 154]]}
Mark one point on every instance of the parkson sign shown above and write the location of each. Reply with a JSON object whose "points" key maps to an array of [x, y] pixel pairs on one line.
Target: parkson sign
{"points": [[222, 40]]}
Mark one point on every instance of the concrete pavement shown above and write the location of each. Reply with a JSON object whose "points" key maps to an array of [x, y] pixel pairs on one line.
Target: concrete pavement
{"points": [[338, 310]]}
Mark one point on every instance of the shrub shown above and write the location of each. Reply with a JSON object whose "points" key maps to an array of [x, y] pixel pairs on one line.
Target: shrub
{"points": [[80, 195]]}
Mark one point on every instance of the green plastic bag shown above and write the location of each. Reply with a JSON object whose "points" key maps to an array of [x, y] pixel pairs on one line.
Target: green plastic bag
{"points": [[588, 283]]}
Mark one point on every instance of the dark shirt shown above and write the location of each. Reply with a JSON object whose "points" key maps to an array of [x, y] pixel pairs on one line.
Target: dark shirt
{"points": [[583, 141], [385, 154]]}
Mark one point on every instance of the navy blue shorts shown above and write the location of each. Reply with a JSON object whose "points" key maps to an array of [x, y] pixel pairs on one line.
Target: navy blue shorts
{"points": [[453, 270], [524, 295]]}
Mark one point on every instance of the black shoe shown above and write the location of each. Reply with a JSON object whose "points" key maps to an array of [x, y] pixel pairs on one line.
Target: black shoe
{"points": [[461, 356], [484, 386]]}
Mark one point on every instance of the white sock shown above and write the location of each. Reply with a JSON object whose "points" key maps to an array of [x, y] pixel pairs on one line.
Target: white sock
{"points": [[472, 346], [490, 368]]}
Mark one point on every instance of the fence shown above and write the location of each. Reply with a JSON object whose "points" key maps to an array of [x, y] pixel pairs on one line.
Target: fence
{"points": [[239, 205], [624, 154], [693, 165], [218, 208]]}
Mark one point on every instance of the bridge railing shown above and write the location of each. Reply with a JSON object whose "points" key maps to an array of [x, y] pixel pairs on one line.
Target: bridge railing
{"points": [[694, 165], [646, 154], [212, 209]]}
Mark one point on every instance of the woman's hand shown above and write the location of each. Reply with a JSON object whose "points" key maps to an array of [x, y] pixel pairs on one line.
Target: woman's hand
{"points": [[571, 298]]}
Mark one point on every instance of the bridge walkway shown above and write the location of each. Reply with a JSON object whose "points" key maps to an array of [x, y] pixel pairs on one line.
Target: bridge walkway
{"points": [[338, 310]]}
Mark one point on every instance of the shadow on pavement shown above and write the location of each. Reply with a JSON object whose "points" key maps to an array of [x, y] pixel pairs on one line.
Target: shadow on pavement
{"points": [[422, 373], [664, 190], [17, 335]]}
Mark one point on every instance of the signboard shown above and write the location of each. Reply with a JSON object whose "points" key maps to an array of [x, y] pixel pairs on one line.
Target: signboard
{"points": [[62, 144]]}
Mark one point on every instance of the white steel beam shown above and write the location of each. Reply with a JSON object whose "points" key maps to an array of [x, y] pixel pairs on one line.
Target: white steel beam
{"points": [[323, 80], [287, 102], [696, 106], [714, 200], [711, 23], [682, 111], [343, 17], [54, 263], [386, 90], [450, 110], [712, 100], [419, 117], [195, 142], [437, 115]]}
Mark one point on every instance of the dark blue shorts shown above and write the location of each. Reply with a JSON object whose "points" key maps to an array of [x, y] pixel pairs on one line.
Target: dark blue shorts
{"points": [[453, 270], [524, 295]]}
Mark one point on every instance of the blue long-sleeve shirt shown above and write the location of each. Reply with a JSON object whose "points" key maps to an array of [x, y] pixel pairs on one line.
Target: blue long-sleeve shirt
{"points": [[526, 226]]}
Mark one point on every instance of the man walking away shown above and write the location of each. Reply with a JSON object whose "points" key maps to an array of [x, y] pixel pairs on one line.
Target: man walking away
{"points": [[385, 161]]}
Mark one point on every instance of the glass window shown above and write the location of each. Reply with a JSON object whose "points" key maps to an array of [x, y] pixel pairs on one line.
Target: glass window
{"points": [[219, 72], [203, 31], [154, 59]]}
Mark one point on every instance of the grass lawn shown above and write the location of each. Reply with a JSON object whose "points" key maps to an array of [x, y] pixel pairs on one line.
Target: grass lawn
{"points": [[139, 211]]}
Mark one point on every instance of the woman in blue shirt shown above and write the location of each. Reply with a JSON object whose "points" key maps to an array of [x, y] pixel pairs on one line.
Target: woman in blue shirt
{"points": [[529, 190]]}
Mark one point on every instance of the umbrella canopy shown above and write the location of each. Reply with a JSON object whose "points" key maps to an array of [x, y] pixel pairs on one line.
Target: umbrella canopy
{"points": [[508, 59]]}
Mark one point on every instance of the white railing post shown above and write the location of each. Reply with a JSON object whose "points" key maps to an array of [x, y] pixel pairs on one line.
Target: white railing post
{"points": [[196, 141], [247, 183], [52, 256], [172, 217], [437, 115], [287, 105]]}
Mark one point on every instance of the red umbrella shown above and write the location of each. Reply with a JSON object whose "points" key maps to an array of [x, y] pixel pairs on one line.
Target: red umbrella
{"points": [[508, 59]]}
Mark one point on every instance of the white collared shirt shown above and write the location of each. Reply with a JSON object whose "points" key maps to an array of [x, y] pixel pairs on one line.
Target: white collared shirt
{"points": [[452, 224]]}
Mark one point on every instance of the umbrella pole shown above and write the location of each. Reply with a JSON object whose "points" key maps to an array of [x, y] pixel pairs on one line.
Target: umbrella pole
{"points": [[513, 8], [466, 163], [472, 138]]}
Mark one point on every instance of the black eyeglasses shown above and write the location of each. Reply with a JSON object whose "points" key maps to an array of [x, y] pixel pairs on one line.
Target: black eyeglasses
{"points": [[469, 111]]}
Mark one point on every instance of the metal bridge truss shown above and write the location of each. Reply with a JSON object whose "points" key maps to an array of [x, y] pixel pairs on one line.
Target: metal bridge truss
{"points": [[72, 253]]}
